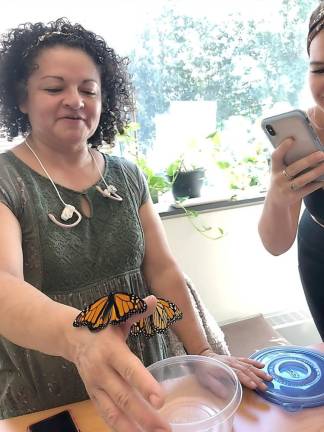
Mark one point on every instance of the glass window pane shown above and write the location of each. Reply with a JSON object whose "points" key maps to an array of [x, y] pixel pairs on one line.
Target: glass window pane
{"points": [[205, 74]]}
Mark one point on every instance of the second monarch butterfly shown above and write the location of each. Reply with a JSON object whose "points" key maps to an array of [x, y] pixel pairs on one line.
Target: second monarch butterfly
{"points": [[113, 308], [165, 314]]}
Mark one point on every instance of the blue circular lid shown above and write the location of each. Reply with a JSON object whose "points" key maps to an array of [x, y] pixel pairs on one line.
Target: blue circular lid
{"points": [[298, 376]]}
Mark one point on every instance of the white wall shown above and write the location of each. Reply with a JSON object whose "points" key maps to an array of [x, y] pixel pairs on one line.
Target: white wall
{"points": [[235, 275]]}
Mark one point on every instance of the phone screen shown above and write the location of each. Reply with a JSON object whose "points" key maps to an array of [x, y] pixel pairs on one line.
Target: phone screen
{"points": [[61, 422]]}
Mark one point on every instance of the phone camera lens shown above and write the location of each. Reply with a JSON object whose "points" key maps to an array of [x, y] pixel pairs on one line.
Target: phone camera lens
{"points": [[270, 130]]}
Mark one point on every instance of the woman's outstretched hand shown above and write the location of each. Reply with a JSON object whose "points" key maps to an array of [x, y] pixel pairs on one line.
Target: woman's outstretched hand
{"points": [[124, 392], [248, 371]]}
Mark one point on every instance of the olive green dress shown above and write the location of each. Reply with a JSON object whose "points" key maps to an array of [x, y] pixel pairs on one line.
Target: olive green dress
{"points": [[73, 266]]}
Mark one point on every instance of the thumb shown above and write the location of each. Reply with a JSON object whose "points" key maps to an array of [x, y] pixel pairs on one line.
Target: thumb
{"points": [[151, 302]]}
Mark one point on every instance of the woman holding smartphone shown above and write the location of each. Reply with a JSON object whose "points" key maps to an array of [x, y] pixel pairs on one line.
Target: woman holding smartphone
{"points": [[291, 184]]}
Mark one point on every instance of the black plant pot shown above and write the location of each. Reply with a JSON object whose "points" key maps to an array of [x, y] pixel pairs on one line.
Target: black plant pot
{"points": [[188, 183]]}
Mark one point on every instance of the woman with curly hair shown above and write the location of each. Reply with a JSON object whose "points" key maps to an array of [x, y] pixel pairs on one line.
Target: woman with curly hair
{"points": [[77, 225]]}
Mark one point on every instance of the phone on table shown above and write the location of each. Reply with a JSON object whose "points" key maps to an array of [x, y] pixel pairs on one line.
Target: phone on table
{"points": [[297, 125], [61, 422]]}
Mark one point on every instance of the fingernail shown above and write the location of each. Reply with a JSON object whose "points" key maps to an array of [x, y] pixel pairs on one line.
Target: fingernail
{"points": [[269, 377], [253, 384], [155, 401]]}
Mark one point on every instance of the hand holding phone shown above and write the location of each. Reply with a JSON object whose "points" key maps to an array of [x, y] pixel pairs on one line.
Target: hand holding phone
{"points": [[61, 422], [293, 124]]}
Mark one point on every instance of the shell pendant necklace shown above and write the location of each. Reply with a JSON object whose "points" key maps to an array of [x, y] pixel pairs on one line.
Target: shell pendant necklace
{"points": [[69, 210]]}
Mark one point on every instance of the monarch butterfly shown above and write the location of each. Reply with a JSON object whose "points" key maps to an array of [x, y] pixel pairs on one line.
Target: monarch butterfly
{"points": [[113, 308], [165, 314]]}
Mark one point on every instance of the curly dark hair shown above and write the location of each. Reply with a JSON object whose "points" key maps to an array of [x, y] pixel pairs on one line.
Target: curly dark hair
{"points": [[20, 46]]}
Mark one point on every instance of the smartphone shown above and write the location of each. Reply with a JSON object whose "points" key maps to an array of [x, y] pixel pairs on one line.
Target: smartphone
{"points": [[61, 422], [297, 125]]}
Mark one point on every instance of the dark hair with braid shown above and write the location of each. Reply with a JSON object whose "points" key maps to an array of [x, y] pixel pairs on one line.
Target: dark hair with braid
{"points": [[18, 50]]}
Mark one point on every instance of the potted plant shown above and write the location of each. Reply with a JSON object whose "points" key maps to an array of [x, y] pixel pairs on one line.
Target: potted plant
{"points": [[192, 179], [243, 170], [186, 180], [128, 146], [157, 183]]}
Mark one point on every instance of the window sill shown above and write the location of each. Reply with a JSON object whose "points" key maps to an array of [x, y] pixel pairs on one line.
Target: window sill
{"points": [[170, 210]]}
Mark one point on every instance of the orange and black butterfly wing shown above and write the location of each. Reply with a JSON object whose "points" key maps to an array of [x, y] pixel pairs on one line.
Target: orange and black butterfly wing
{"points": [[95, 315], [112, 309], [177, 314], [165, 314], [123, 306], [144, 326]]}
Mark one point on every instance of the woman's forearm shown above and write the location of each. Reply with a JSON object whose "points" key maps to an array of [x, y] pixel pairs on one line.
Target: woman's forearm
{"points": [[278, 225], [32, 320]]}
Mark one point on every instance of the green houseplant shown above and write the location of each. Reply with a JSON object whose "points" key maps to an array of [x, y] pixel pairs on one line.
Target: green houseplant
{"points": [[127, 141], [243, 171], [186, 181], [157, 183]]}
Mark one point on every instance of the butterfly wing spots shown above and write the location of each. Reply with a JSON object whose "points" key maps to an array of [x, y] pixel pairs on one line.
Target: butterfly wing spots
{"points": [[171, 311], [114, 308], [160, 317], [92, 315], [124, 305], [79, 320], [144, 326], [117, 307], [165, 314], [135, 329]]}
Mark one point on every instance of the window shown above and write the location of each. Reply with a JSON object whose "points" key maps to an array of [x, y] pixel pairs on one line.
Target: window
{"points": [[205, 73]]}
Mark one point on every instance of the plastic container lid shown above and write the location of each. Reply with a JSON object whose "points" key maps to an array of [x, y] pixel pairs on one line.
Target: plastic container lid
{"points": [[298, 376]]}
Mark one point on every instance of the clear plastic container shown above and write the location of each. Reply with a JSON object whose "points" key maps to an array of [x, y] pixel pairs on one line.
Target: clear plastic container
{"points": [[202, 393]]}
